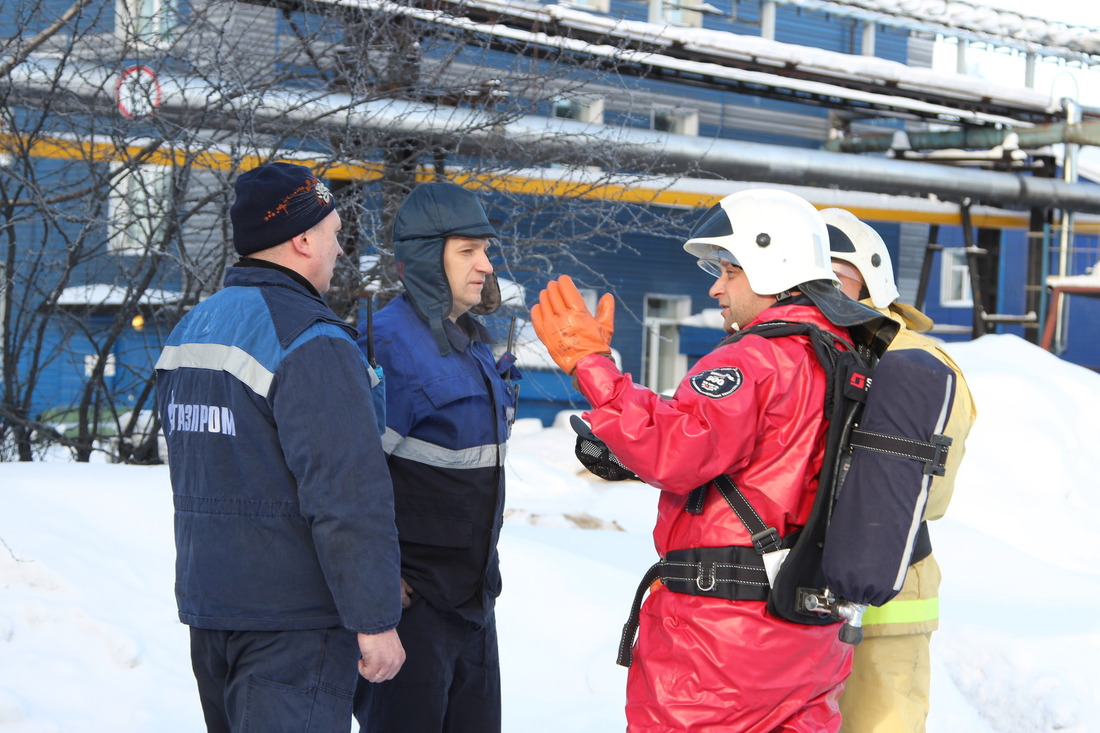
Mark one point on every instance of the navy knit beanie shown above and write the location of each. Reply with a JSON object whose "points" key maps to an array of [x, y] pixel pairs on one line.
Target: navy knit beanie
{"points": [[276, 202]]}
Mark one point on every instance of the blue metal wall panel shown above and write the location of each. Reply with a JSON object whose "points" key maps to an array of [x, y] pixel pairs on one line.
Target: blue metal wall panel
{"points": [[697, 342], [946, 315], [654, 262], [62, 378], [1083, 325], [816, 29], [30, 18]]}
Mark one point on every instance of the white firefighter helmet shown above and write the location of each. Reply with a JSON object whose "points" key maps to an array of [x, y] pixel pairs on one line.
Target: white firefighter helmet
{"points": [[776, 237], [854, 242]]}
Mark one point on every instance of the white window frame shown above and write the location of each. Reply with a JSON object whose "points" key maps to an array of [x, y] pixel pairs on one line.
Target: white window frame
{"points": [[138, 207], [92, 360], [591, 298], [596, 6], [677, 121], [955, 279], [663, 366], [675, 12], [150, 22], [581, 109]]}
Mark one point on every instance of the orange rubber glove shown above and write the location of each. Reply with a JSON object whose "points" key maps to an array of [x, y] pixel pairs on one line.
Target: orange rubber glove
{"points": [[605, 317], [566, 328]]}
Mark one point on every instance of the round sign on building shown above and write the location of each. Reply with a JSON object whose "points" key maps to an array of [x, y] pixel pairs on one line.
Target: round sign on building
{"points": [[138, 92]]}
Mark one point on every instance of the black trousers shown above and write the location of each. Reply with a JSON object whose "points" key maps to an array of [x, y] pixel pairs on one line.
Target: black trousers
{"points": [[450, 682], [276, 681]]}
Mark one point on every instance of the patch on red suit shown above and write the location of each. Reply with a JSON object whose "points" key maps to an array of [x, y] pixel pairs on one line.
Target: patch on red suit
{"points": [[716, 383]]}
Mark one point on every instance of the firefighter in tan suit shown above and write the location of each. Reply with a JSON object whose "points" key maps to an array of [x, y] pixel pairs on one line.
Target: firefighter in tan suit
{"points": [[887, 691]]}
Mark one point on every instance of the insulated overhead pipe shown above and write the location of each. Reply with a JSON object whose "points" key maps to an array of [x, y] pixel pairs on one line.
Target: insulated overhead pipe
{"points": [[472, 132], [979, 138]]}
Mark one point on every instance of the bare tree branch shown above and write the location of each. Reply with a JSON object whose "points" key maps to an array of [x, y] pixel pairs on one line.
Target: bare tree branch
{"points": [[33, 43]]}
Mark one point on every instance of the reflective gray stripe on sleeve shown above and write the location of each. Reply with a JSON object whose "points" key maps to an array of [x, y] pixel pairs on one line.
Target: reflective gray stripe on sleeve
{"points": [[390, 440], [219, 357], [421, 451]]}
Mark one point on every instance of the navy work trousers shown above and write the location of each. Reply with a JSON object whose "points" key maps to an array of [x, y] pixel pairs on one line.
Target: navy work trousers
{"points": [[450, 682], [276, 681]]}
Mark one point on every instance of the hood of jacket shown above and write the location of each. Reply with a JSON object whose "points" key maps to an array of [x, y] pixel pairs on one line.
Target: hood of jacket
{"points": [[430, 214], [869, 327], [910, 317]]}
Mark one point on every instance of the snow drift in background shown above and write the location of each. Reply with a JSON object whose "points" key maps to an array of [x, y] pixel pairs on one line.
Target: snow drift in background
{"points": [[90, 642]]}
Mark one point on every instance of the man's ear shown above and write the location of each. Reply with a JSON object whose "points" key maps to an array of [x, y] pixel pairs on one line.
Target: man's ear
{"points": [[301, 244]]}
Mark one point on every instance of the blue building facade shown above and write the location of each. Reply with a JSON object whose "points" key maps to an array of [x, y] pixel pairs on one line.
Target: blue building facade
{"points": [[727, 93]]}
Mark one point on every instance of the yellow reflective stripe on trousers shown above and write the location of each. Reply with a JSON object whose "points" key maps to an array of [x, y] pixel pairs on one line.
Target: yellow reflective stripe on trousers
{"points": [[903, 612]]}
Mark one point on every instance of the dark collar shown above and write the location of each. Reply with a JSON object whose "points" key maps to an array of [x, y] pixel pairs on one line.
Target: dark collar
{"points": [[465, 330], [294, 275]]}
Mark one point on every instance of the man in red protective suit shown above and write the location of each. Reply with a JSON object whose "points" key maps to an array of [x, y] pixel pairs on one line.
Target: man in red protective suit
{"points": [[752, 409]]}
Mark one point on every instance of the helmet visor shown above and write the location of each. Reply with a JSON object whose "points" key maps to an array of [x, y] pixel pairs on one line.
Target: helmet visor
{"points": [[712, 263]]}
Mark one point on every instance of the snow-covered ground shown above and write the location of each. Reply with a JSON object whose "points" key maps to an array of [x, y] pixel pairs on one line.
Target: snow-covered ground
{"points": [[89, 640]]}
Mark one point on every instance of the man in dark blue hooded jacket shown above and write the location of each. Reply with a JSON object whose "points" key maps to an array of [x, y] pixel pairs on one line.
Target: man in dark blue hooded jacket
{"points": [[449, 409]]}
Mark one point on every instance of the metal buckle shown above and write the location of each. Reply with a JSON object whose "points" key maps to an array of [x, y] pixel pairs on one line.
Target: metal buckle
{"points": [[699, 578], [767, 541], [941, 444]]}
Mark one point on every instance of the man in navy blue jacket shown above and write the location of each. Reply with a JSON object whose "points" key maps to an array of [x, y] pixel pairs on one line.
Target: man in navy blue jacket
{"points": [[287, 562], [449, 410]]}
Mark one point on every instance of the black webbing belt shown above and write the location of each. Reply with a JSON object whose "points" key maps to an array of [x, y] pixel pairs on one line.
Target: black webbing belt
{"points": [[732, 573], [630, 628], [932, 454]]}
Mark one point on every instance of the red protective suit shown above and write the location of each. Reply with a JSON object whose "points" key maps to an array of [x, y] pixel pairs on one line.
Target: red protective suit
{"points": [[752, 409]]}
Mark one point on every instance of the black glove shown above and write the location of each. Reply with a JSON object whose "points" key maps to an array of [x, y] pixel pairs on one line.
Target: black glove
{"points": [[594, 454]]}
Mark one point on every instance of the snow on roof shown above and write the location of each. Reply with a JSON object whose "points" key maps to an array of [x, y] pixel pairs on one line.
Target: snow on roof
{"points": [[971, 21], [100, 294], [952, 18], [1090, 279], [720, 45], [717, 46]]}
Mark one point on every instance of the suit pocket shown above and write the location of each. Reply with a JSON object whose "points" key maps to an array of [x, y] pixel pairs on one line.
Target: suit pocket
{"points": [[434, 519], [445, 390]]}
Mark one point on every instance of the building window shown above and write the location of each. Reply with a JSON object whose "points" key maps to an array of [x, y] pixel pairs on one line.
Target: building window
{"points": [[598, 6], [589, 110], [675, 121], [152, 22], [581, 110], [955, 279], [663, 366], [139, 207], [684, 13], [591, 298], [91, 361]]}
